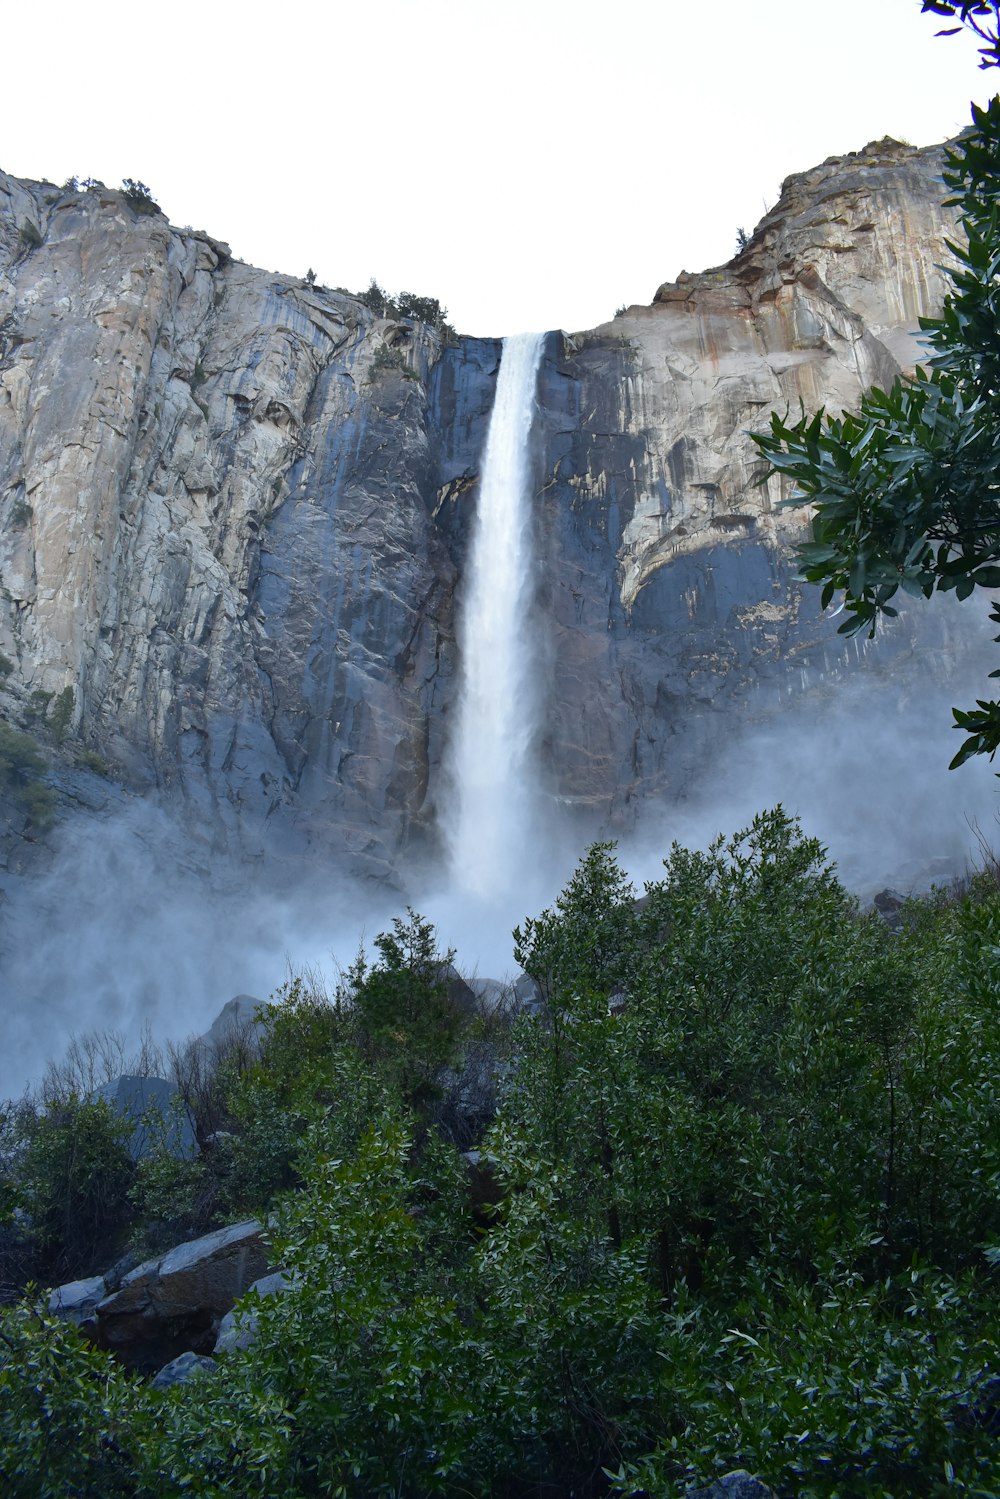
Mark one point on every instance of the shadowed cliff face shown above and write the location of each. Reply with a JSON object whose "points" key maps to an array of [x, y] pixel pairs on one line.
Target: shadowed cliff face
{"points": [[673, 615], [234, 509]]}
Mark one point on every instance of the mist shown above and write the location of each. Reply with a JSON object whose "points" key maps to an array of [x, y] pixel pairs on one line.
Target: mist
{"points": [[131, 928]]}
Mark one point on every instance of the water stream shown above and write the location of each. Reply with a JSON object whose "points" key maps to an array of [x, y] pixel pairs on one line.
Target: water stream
{"points": [[489, 822]]}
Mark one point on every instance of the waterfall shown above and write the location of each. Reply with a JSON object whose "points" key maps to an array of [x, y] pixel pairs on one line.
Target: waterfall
{"points": [[489, 825]]}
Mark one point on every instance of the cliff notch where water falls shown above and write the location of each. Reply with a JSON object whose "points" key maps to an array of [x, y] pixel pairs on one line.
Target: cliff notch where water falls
{"points": [[235, 508]]}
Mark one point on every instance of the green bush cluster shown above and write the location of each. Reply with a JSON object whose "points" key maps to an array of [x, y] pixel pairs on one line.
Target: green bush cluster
{"points": [[21, 767], [138, 196], [386, 358], [744, 1166], [405, 305]]}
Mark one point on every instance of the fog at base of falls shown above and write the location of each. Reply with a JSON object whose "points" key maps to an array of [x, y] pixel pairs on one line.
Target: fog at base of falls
{"points": [[118, 934], [124, 932]]}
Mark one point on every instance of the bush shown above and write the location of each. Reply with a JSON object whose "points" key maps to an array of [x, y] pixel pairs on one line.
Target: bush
{"points": [[405, 305], [409, 1023], [72, 1181], [21, 763], [745, 1162], [91, 760], [61, 715], [67, 1414], [138, 196]]}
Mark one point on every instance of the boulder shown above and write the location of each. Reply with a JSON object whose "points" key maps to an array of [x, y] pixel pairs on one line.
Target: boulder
{"points": [[77, 1300], [889, 905], [173, 1304], [528, 994], [238, 1328], [739, 1484], [461, 995], [181, 1369], [151, 1106], [237, 1020]]}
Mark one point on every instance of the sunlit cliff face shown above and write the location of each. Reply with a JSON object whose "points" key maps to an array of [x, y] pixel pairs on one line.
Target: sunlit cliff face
{"points": [[236, 514]]}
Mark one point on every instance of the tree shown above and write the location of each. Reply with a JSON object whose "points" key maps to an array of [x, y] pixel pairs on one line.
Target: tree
{"points": [[409, 1019], [975, 15], [139, 197], [906, 492]]}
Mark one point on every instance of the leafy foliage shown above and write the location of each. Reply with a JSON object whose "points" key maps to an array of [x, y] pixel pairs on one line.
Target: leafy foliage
{"points": [[975, 14], [67, 1169], [67, 1414], [744, 1164], [405, 305], [138, 196], [21, 767]]}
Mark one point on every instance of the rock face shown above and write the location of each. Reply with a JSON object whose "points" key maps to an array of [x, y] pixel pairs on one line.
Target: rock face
{"points": [[234, 508]]}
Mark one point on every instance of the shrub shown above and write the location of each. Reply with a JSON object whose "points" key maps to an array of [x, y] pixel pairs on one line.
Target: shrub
{"points": [[138, 196], [91, 760], [74, 1173], [21, 763], [745, 1161], [408, 1021], [67, 1414], [61, 714]]}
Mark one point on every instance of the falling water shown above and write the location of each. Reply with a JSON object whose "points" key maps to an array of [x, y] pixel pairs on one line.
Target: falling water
{"points": [[490, 821]]}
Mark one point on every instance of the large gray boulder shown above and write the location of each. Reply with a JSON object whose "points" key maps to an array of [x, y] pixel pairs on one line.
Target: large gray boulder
{"points": [[238, 1022], [238, 1328], [152, 1107], [175, 1304], [77, 1300], [181, 1369]]}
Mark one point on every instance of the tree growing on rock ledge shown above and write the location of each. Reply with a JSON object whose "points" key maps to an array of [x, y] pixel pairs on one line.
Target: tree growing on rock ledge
{"points": [[906, 492], [138, 196]]}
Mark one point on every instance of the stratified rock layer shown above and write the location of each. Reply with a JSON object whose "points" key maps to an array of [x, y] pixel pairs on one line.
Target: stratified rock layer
{"points": [[234, 507]]}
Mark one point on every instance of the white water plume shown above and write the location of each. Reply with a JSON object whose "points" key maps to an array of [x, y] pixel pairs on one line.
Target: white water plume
{"points": [[489, 824]]}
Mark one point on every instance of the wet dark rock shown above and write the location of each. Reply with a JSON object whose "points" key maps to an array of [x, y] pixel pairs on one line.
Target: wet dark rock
{"points": [[889, 905], [180, 1370]]}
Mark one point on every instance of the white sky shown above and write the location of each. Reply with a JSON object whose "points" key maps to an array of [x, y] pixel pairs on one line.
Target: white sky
{"points": [[531, 163]]}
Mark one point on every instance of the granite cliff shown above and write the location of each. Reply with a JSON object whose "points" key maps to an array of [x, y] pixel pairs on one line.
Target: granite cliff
{"points": [[234, 509]]}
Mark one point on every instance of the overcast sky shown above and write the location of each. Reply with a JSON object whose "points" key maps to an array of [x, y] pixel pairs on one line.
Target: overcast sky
{"points": [[532, 163]]}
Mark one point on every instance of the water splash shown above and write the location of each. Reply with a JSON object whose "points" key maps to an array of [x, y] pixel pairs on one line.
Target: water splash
{"points": [[489, 824]]}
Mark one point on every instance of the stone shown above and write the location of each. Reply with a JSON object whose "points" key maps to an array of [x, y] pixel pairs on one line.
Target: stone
{"points": [[180, 1370], [238, 1328], [176, 1302], [237, 1022], [889, 905], [77, 1300], [528, 994], [245, 563], [739, 1484], [153, 1108]]}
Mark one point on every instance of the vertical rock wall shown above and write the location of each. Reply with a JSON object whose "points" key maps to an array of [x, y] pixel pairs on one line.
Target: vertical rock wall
{"points": [[234, 508]]}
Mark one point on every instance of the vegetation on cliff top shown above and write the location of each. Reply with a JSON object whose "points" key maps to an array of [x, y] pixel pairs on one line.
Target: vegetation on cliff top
{"points": [[744, 1163]]}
